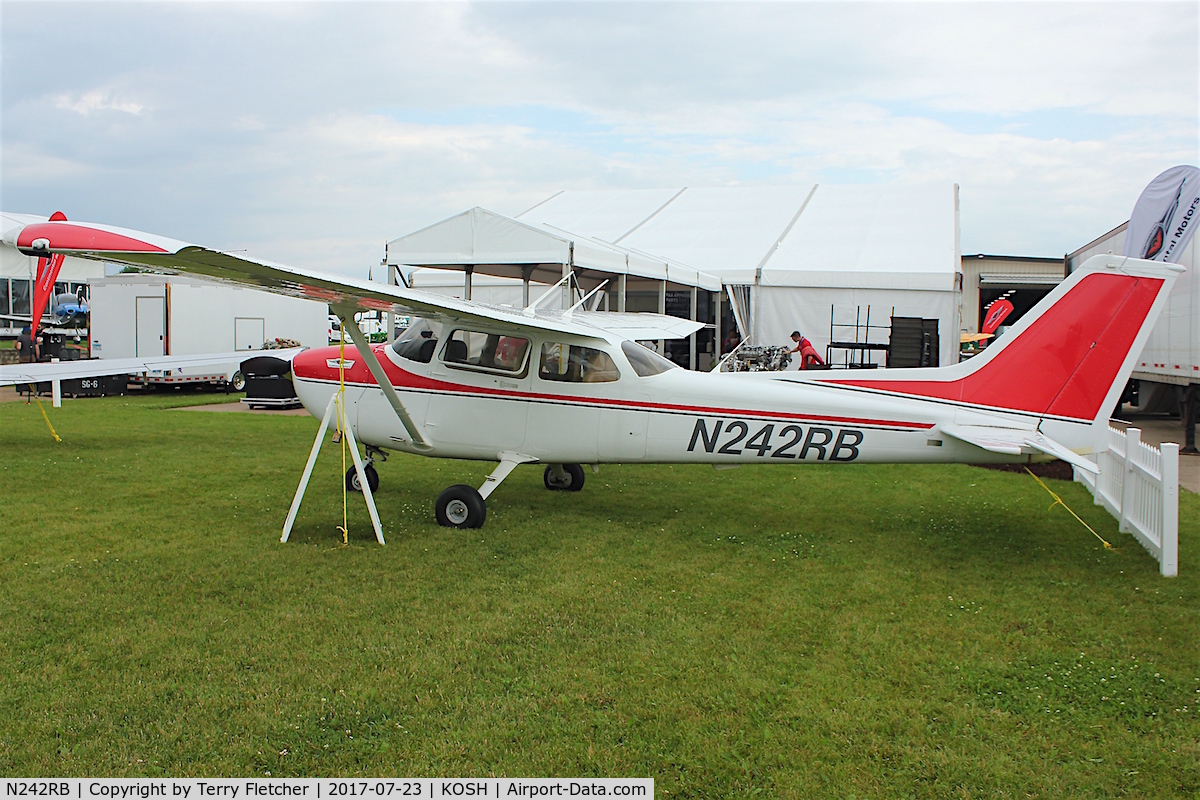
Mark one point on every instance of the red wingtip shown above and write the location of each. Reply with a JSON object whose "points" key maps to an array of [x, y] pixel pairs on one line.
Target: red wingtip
{"points": [[82, 237]]}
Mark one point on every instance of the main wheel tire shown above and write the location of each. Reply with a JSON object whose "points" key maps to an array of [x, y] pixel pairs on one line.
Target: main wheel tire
{"points": [[238, 382], [563, 477], [372, 479], [460, 506]]}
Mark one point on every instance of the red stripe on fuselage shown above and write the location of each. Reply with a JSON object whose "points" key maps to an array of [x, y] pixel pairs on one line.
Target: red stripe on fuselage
{"points": [[312, 365], [1062, 365]]}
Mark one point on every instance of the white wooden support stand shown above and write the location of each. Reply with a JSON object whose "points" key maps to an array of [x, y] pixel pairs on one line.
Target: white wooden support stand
{"points": [[55, 390], [312, 460], [1169, 561]]}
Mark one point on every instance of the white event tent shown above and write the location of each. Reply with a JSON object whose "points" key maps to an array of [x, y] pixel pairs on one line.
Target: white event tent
{"points": [[787, 254], [483, 241], [479, 240], [789, 257]]}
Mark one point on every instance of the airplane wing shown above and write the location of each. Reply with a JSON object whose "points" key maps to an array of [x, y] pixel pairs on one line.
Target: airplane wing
{"points": [[347, 295], [1015, 442], [639, 326], [56, 318], [11, 374]]}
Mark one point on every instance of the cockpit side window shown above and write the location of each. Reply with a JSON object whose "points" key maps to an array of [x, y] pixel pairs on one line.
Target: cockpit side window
{"points": [[486, 352], [418, 342], [574, 364], [645, 362]]}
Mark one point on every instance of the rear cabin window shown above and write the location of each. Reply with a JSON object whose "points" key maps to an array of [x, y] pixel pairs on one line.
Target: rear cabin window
{"points": [[575, 364], [486, 352]]}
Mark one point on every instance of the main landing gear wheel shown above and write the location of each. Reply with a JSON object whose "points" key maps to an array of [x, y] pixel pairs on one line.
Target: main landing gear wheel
{"points": [[372, 479], [563, 477], [461, 506]]}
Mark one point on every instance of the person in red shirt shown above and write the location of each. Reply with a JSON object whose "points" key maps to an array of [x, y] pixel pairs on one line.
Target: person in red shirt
{"points": [[808, 354]]}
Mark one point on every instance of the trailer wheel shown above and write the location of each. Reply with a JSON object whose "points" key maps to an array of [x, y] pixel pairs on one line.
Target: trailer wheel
{"points": [[460, 506], [372, 479]]}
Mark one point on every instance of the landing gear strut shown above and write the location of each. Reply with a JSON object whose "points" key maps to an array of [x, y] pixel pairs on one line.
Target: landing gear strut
{"points": [[461, 506]]}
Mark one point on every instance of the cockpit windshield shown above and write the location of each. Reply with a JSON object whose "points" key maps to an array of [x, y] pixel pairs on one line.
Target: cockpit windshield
{"points": [[418, 341], [645, 362]]}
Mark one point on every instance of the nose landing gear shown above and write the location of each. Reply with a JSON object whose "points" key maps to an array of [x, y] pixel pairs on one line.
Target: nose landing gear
{"points": [[372, 479], [352, 482]]}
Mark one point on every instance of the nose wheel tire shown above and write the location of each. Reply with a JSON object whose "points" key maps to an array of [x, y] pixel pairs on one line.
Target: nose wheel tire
{"points": [[461, 506], [563, 477], [372, 479]]}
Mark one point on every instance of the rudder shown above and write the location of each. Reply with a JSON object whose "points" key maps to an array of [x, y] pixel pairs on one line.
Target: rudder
{"points": [[1067, 357]]}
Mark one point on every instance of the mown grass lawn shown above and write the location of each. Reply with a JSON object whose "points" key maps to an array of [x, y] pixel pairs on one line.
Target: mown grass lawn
{"points": [[890, 631]]}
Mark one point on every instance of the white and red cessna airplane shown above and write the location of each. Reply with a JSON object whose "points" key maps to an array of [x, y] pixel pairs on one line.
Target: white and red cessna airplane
{"points": [[570, 388]]}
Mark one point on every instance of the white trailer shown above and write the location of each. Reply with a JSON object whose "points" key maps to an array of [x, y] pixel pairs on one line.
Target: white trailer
{"points": [[138, 315], [1167, 373]]}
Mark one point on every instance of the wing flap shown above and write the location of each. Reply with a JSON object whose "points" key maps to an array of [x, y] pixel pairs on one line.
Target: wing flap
{"points": [[1016, 442], [639, 326]]}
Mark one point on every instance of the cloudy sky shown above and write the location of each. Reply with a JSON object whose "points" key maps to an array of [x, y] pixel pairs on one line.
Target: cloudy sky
{"points": [[312, 133]]}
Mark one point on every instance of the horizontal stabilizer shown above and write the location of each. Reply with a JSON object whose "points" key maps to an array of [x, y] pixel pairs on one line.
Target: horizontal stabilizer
{"points": [[1039, 441], [1016, 442], [11, 374]]}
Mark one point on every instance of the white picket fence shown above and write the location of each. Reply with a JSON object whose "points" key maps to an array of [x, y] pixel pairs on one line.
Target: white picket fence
{"points": [[1139, 485]]}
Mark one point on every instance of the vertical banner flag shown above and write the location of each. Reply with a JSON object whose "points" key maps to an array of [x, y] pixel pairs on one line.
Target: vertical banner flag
{"points": [[1165, 216], [43, 286]]}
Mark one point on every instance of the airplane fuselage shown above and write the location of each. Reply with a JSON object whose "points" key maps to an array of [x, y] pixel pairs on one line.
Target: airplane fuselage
{"points": [[674, 416], [568, 388]]}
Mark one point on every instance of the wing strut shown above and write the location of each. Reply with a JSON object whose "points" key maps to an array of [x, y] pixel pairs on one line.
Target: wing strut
{"points": [[381, 378]]}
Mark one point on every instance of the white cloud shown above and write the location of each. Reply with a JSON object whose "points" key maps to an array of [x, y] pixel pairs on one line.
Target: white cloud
{"points": [[95, 101], [311, 133]]}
